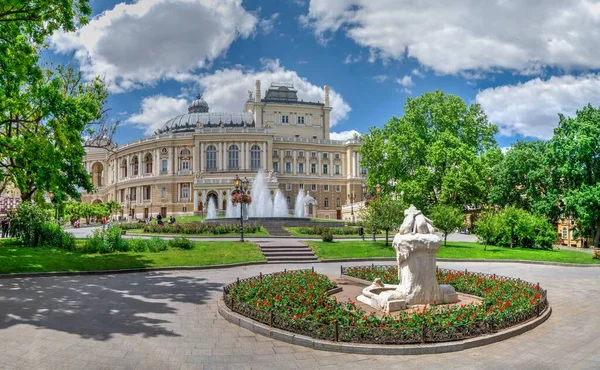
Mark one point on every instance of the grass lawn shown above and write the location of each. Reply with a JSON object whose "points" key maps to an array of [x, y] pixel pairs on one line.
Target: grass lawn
{"points": [[15, 259], [261, 232], [462, 250]]}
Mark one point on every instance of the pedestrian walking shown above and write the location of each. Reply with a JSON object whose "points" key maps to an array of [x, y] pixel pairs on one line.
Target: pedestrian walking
{"points": [[4, 224]]}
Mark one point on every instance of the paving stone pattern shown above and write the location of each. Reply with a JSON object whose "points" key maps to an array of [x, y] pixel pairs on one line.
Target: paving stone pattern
{"points": [[170, 321]]}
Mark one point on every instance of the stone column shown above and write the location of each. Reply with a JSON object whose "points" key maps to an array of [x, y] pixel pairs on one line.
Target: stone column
{"points": [[295, 169], [263, 154], [201, 158], [242, 156], [320, 168], [220, 157]]}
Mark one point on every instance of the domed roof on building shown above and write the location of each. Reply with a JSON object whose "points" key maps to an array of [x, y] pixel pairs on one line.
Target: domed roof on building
{"points": [[198, 116]]}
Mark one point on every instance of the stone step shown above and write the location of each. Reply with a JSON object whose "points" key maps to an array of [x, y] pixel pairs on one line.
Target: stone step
{"points": [[286, 254], [295, 250], [284, 248], [292, 260]]}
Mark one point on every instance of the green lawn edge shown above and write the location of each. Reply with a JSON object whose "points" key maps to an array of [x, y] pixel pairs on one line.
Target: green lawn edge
{"points": [[17, 259], [454, 250]]}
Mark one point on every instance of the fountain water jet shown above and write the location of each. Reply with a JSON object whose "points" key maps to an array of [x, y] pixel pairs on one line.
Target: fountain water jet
{"points": [[211, 211], [280, 207], [233, 210], [299, 206]]}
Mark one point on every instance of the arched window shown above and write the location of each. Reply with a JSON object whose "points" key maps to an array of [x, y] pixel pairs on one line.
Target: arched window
{"points": [[184, 159], [255, 157], [124, 168], [234, 155], [326, 202], [135, 166], [148, 163], [98, 174], [211, 158]]}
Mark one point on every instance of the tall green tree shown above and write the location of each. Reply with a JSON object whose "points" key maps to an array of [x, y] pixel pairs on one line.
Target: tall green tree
{"points": [[45, 111], [438, 152], [524, 179], [384, 212], [447, 219], [112, 206], [575, 155]]}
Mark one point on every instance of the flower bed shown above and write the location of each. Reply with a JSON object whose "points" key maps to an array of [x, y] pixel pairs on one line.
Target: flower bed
{"points": [[297, 301]]}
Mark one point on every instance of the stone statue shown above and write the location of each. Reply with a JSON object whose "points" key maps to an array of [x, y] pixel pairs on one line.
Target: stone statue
{"points": [[250, 95], [272, 177], [415, 222], [416, 246]]}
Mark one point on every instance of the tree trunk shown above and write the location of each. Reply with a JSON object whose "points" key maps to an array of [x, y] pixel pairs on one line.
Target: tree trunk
{"points": [[386, 237], [597, 235], [445, 239]]}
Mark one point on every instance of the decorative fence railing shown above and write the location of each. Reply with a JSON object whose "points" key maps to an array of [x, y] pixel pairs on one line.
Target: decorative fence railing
{"points": [[427, 333]]}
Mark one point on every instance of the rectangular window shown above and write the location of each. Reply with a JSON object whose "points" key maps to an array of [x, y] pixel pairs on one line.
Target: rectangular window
{"points": [[185, 191], [326, 202], [313, 154], [146, 192], [288, 167], [275, 153], [338, 202], [163, 193], [565, 233], [163, 165], [301, 153], [184, 209], [363, 171], [185, 165], [211, 158], [300, 120], [284, 118], [132, 193], [301, 186], [289, 202], [325, 169], [338, 188], [337, 169], [288, 186], [325, 155], [313, 187], [326, 187], [276, 167], [337, 156], [288, 153], [122, 195], [313, 168], [300, 167]]}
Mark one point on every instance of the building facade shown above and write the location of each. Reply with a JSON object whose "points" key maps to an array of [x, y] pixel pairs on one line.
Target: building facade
{"points": [[195, 156]]}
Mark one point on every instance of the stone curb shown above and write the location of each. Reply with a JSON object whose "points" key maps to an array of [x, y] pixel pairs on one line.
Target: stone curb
{"points": [[378, 349], [391, 259], [126, 271]]}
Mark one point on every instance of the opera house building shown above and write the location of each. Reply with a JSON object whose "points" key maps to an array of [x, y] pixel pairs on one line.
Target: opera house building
{"points": [[193, 158]]}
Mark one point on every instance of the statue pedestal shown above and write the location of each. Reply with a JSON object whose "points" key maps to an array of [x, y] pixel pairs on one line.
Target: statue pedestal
{"points": [[416, 273]]}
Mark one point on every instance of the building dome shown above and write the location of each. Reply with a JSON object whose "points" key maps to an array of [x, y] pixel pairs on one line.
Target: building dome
{"points": [[198, 105]]}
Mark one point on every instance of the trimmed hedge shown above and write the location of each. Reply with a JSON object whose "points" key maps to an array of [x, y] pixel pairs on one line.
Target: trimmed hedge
{"points": [[200, 228]]}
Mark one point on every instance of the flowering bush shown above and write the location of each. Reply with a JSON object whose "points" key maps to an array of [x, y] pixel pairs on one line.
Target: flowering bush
{"points": [[299, 302], [237, 198]]}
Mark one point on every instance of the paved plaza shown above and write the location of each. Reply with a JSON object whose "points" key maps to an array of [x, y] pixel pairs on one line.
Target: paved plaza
{"points": [[170, 321]]}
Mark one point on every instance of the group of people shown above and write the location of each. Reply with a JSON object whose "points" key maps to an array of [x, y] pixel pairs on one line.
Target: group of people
{"points": [[159, 220], [5, 223]]}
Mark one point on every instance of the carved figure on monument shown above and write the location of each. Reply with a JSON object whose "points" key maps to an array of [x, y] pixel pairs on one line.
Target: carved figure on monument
{"points": [[415, 245]]}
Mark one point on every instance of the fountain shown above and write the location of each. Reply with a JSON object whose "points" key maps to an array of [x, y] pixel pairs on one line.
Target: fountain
{"points": [[299, 206], [233, 210], [280, 207], [211, 212]]}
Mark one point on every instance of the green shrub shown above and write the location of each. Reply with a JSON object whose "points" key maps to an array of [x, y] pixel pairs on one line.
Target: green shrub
{"points": [[53, 236], [156, 244], [115, 240], [128, 225], [181, 243], [137, 245], [514, 227], [28, 222], [327, 235], [200, 228], [96, 243]]}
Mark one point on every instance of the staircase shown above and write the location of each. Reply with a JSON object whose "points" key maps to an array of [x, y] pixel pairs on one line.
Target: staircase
{"points": [[275, 229], [284, 251]]}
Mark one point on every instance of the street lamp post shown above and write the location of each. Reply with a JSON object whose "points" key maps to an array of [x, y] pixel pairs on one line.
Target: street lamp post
{"points": [[241, 187]]}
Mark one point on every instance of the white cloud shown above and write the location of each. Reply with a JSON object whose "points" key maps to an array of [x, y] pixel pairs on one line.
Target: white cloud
{"points": [[531, 109], [463, 35], [155, 111], [344, 135], [380, 78], [226, 90], [417, 73], [267, 25], [405, 81], [138, 44], [350, 59]]}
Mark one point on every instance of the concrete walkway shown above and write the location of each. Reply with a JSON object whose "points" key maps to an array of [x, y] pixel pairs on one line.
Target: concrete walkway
{"points": [[169, 321]]}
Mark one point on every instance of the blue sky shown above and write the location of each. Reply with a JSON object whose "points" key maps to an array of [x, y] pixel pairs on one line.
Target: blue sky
{"points": [[523, 63]]}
